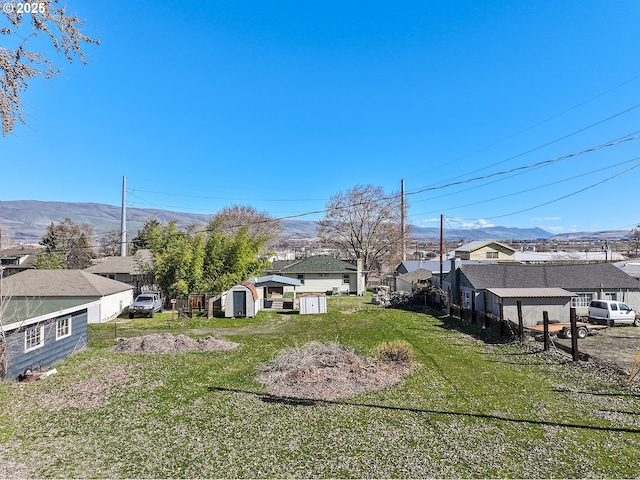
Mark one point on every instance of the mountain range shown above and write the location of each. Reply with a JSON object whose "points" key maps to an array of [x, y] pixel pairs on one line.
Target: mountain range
{"points": [[25, 221]]}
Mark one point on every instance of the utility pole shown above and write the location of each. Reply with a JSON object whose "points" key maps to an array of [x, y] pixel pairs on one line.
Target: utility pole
{"points": [[123, 220], [441, 252], [403, 221]]}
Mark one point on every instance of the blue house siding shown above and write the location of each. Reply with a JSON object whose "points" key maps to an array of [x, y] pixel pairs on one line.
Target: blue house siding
{"points": [[51, 350]]}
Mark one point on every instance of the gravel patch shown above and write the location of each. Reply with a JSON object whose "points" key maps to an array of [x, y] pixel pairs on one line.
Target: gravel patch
{"points": [[14, 470], [168, 343]]}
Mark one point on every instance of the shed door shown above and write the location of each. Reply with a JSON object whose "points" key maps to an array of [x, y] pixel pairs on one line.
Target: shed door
{"points": [[312, 305], [239, 303]]}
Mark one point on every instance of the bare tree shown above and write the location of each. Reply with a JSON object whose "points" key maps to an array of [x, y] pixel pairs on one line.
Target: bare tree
{"points": [[364, 223], [110, 244], [634, 239], [260, 225], [5, 239], [21, 23]]}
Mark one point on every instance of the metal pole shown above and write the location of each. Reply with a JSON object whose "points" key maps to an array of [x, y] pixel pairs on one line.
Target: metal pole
{"points": [[123, 220], [402, 222]]}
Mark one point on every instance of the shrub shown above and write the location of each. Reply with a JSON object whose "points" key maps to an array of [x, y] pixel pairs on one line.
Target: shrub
{"points": [[396, 351]]}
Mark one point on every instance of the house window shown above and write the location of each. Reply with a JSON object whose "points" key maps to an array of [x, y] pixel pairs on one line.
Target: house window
{"points": [[582, 300], [63, 328], [346, 279], [33, 338], [301, 278], [492, 255]]}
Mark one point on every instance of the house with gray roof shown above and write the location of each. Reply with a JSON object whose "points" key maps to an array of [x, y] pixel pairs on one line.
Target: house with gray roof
{"points": [[132, 270], [15, 260], [586, 282], [40, 333], [322, 274], [66, 288]]}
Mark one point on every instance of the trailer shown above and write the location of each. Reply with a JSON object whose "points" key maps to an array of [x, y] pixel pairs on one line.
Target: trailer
{"points": [[564, 329]]}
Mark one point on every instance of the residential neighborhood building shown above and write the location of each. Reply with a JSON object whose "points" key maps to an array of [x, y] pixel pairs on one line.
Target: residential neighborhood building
{"points": [[567, 257], [15, 260], [467, 284], [533, 303], [485, 250], [68, 288], [132, 270], [322, 274], [408, 282], [39, 334]]}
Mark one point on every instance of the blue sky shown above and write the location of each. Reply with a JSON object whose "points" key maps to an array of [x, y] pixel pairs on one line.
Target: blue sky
{"points": [[519, 113]]}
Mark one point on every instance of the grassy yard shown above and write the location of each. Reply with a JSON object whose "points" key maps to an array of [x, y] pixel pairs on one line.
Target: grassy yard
{"points": [[475, 408]]}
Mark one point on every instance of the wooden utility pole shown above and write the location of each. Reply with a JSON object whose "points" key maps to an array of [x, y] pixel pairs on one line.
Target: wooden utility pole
{"points": [[441, 249]]}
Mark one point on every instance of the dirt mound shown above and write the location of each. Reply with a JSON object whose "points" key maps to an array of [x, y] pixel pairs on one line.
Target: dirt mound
{"points": [[168, 343], [326, 371]]}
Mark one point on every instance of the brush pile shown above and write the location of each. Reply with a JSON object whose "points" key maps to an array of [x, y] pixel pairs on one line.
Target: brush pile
{"points": [[326, 371]]}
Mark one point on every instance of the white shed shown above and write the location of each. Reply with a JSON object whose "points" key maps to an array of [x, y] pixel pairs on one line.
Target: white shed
{"points": [[313, 303]]}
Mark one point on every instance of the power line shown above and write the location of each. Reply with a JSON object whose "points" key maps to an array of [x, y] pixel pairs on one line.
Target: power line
{"points": [[131, 191], [573, 177], [545, 121], [624, 139], [565, 196]]}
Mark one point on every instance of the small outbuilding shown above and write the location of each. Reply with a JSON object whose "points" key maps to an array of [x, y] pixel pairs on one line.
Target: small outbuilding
{"points": [[37, 335], [533, 301], [311, 303], [242, 300]]}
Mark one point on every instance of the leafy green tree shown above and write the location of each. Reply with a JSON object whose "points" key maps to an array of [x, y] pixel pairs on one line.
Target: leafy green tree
{"points": [[210, 260], [148, 234]]}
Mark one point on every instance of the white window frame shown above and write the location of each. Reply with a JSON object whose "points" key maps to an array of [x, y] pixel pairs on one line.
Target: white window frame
{"points": [[346, 279], [63, 328], [581, 300], [301, 278], [30, 336]]}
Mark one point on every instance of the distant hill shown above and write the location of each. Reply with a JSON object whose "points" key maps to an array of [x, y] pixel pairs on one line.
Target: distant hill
{"points": [[594, 236], [486, 233], [27, 220]]}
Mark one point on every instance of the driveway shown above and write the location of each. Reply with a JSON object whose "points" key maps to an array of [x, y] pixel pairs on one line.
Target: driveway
{"points": [[618, 346]]}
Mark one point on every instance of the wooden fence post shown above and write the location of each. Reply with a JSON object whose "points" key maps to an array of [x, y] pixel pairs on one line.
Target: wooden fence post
{"points": [[520, 321], [545, 329], [502, 324], [574, 335], [473, 306]]}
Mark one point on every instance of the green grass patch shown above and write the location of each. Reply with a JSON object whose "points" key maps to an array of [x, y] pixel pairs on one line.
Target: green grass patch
{"points": [[474, 408]]}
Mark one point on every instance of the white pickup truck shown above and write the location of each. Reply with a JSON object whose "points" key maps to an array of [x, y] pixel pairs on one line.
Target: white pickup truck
{"points": [[146, 304]]}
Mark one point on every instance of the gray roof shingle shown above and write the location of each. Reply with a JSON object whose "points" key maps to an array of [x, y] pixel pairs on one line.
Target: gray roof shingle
{"points": [[320, 263], [60, 283], [572, 276], [133, 265]]}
